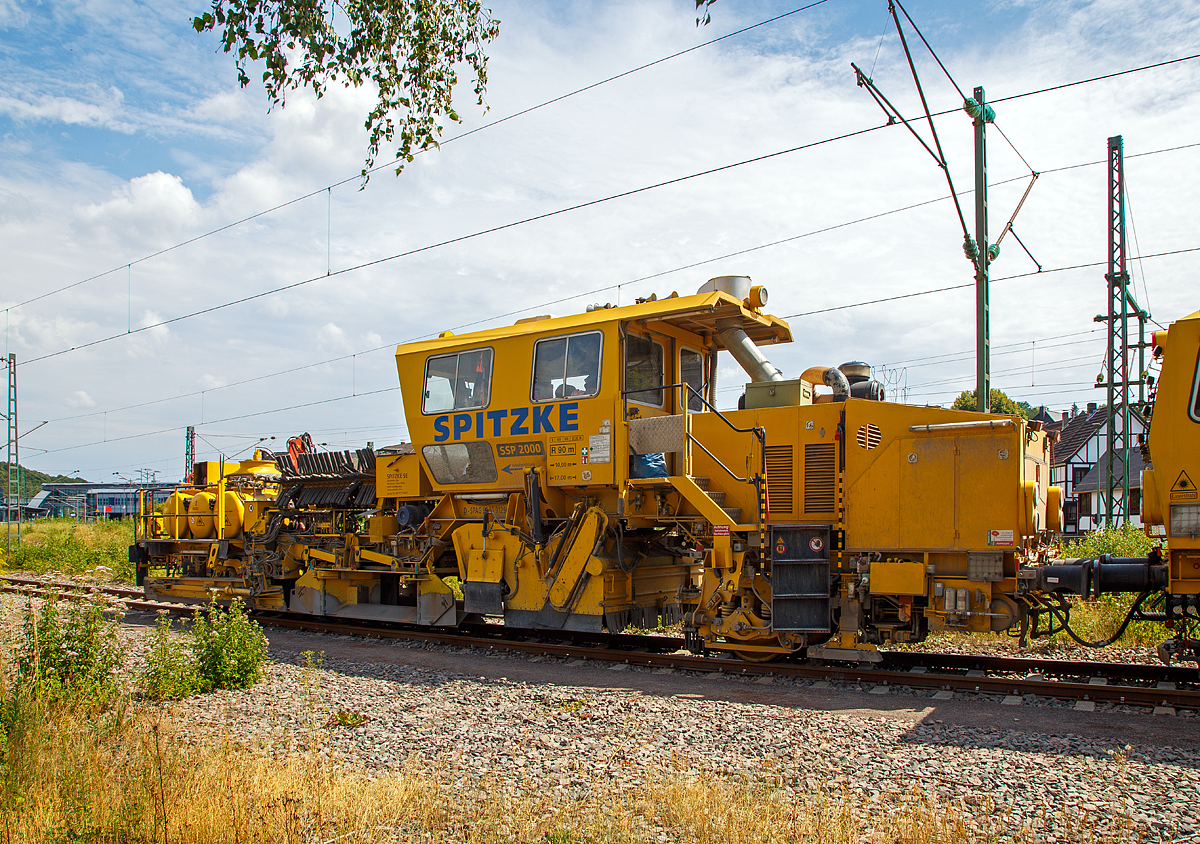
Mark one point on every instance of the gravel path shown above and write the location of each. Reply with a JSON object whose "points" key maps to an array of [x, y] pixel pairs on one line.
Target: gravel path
{"points": [[534, 723], [540, 722]]}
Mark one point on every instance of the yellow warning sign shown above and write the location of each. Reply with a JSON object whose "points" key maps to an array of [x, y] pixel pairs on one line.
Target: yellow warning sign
{"points": [[780, 548], [1184, 489]]}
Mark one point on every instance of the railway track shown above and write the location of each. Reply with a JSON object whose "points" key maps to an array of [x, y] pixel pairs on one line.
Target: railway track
{"points": [[1012, 677]]}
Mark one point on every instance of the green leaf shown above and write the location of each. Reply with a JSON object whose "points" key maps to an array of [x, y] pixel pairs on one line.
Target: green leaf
{"points": [[409, 50]]}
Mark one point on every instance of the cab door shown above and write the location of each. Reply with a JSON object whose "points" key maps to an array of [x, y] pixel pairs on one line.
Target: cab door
{"points": [[656, 423]]}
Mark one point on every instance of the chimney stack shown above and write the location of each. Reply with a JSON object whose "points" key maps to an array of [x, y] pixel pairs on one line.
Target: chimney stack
{"points": [[1091, 407], [1066, 414]]}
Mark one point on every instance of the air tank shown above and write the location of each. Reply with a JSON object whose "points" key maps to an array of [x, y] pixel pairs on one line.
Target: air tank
{"points": [[235, 514], [175, 520], [201, 519]]}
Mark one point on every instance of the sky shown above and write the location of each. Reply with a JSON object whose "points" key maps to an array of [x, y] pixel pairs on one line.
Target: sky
{"points": [[140, 185]]}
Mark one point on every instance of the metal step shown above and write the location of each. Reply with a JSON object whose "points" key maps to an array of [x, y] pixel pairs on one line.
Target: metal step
{"points": [[734, 514], [702, 483], [718, 498], [801, 598]]}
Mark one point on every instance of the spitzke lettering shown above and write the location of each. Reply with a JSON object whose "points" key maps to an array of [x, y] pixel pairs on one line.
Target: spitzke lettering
{"points": [[513, 422]]}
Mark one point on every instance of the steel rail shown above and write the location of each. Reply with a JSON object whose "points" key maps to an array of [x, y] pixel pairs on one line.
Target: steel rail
{"points": [[1153, 696], [911, 669]]}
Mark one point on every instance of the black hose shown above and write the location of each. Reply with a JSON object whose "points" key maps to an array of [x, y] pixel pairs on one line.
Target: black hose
{"points": [[620, 537], [1063, 620]]}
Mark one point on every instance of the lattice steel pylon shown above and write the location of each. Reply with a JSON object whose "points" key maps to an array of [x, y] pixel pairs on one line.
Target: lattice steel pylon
{"points": [[189, 452], [12, 491], [1122, 307]]}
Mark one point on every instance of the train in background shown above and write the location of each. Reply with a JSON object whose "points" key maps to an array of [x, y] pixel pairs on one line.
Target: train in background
{"points": [[575, 473]]}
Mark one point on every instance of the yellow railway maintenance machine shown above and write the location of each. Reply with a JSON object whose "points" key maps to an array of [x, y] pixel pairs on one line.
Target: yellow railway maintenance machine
{"points": [[579, 471], [200, 541], [574, 473]]}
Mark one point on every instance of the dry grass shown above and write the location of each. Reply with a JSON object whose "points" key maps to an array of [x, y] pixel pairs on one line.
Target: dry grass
{"points": [[130, 776]]}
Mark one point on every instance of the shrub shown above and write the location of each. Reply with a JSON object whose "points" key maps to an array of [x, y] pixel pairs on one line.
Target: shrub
{"points": [[1100, 619], [68, 648], [229, 647], [226, 650], [1128, 540], [171, 671]]}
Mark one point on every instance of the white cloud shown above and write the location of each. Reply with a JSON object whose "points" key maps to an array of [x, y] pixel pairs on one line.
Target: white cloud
{"points": [[67, 214], [81, 399], [12, 16], [331, 338], [155, 208], [103, 112]]}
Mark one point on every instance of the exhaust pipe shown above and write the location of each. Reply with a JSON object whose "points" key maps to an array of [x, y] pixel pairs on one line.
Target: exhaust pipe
{"points": [[831, 377]]}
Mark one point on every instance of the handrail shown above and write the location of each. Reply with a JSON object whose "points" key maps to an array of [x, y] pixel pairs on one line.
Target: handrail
{"points": [[759, 433], [717, 460]]}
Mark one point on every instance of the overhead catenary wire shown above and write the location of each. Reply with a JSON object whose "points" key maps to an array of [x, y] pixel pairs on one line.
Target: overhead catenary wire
{"points": [[1067, 363], [449, 241], [327, 189], [251, 415], [1020, 349], [576, 207], [1081, 82], [907, 361], [546, 304], [303, 405], [900, 296]]}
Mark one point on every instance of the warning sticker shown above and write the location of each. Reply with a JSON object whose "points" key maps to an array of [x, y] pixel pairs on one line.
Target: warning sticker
{"points": [[1000, 537], [1184, 489], [720, 530], [599, 450]]}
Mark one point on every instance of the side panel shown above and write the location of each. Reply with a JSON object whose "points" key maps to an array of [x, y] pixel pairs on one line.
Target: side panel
{"points": [[941, 490], [926, 499]]}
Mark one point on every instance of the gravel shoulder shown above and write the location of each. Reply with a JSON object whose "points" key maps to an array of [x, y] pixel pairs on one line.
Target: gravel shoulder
{"points": [[472, 718]]}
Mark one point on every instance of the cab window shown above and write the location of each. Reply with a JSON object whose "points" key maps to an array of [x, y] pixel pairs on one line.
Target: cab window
{"points": [[1194, 410], [643, 370], [691, 372], [567, 367], [461, 463], [457, 382]]}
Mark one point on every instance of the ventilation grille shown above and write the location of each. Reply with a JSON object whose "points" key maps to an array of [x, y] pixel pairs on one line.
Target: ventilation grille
{"points": [[868, 436], [780, 487], [820, 477]]}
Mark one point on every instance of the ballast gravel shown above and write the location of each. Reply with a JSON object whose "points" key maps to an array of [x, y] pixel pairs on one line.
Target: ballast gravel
{"points": [[588, 724]]}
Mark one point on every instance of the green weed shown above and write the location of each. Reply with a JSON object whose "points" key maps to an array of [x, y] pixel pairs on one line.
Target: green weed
{"points": [[171, 670], [1125, 541], [225, 649], [229, 647], [68, 648], [346, 718], [1100, 619], [72, 547]]}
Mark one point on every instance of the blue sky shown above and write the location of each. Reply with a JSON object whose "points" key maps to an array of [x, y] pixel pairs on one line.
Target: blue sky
{"points": [[123, 132]]}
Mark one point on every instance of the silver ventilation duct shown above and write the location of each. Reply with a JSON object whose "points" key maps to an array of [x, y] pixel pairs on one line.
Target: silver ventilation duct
{"points": [[737, 286], [734, 338]]}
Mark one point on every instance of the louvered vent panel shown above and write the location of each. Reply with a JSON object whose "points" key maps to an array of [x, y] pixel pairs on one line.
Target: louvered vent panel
{"points": [[820, 477], [780, 486]]}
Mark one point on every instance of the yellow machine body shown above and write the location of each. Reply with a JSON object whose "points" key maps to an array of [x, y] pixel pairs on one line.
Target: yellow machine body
{"points": [[574, 473], [1171, 500]]}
